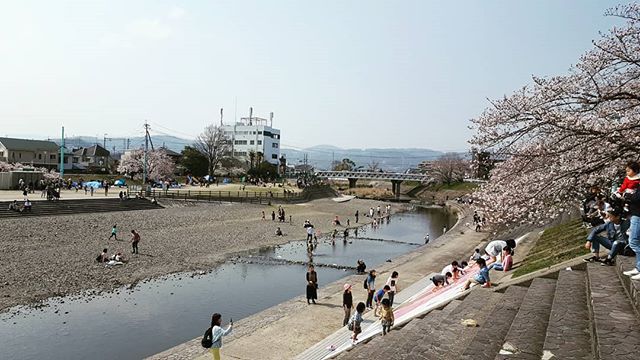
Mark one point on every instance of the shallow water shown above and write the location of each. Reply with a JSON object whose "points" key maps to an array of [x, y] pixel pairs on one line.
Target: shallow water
{"points": [[165, 312]]}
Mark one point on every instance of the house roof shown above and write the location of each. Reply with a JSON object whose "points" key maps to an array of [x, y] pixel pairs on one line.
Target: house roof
{"points": [[170, 152], [95, 150], [28, 145]]}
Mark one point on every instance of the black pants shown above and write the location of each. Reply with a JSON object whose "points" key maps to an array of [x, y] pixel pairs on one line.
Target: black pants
{"points": [[370, 298], [391, 294], [134, 246], [113, 235]]}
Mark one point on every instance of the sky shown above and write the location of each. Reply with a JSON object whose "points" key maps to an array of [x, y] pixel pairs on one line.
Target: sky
{"points": [[353, 74]]}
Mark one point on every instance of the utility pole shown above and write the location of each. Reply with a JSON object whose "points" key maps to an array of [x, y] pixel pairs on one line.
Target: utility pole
{"points": [[62, 155], [146, 148]]}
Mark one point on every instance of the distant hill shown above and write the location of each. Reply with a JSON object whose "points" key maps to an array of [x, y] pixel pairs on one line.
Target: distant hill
{"points": [[399, 159], [319, 156]]}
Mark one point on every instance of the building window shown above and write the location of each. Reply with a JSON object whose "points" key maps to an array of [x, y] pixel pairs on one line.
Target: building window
{"points": [[52, 157], [19, 155], [1, 153], [259, 132], [274, 156], [274, 145], [251, 142], [75, 159], [259, 142], [39, 156], [276, 136], [240, 142]]}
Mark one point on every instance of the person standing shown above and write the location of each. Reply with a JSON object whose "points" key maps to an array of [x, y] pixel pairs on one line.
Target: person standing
{"points": [[273, 216], [357, 215], [135, 239], [393, 286], [426, 241], [347, 303], [371, 288], [217, 332], [114, 232], [312, 285], [632, 197]]}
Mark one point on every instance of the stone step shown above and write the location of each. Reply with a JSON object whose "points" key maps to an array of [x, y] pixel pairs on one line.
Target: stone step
{"points": [[449, 340], [490, 336], [569, 331], [626, 263], [65, 207], [617, 328], [527, 333], [403, 337]]}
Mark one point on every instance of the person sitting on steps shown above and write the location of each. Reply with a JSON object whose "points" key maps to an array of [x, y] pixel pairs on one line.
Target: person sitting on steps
{"points": [[614, 237]]}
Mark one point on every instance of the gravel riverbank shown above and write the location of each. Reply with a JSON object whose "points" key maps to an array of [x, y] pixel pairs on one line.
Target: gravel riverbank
{"points": [[55, 256]]}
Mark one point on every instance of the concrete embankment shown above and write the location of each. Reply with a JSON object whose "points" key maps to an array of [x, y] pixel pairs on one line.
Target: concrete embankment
{"points": [[293, 326]]}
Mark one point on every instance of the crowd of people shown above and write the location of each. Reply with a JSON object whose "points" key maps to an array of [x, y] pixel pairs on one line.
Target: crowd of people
{"points": [[615, 221]]}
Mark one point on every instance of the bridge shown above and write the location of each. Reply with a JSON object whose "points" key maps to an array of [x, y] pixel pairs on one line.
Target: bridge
{"points": [[395, 178]]}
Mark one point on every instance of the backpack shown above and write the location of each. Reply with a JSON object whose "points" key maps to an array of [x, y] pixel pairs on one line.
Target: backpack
{"points": [[207, 339], [366, 285], [99, 258]]}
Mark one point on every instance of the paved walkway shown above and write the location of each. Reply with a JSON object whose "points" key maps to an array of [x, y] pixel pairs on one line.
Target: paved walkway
{"points": [[8, 195], [293, 326]]}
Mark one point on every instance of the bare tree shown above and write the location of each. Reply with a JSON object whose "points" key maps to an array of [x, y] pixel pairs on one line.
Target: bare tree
{"points": [[373, 166], [450, 168], [213, 144]]}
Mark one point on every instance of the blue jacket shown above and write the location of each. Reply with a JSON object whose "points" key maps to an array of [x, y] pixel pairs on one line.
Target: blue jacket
{"points": [[611, 231]]}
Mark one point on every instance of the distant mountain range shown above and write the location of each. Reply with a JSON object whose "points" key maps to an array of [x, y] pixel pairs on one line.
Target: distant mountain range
{"points": [[320, 156]]}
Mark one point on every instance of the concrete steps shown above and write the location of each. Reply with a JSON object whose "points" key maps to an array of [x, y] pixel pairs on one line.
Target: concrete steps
{"points": [[588, 315], [84, 206], [489, 340], [616, 324], [527, 333], [569, 331]]}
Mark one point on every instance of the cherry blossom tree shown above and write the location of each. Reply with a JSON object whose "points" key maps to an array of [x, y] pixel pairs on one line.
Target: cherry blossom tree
{"points": [[564, 133], [159, 165]]}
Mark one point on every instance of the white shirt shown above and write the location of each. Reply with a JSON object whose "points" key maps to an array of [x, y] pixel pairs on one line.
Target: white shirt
{"points": [[495, 247]]}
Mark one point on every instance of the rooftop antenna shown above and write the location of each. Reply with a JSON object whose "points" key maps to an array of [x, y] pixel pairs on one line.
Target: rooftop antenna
{"points": [[250, 116], [221, 109], [271, 118]]}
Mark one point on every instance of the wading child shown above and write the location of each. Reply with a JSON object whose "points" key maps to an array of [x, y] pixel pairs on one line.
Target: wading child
{"points": [[356, 321], [385, 312], [482, 277]]}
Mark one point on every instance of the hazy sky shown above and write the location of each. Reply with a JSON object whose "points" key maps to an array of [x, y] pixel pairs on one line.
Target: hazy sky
{"points": [[346, 73]]}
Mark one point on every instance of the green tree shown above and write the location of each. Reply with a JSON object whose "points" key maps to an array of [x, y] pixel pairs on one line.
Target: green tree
{"points": [[346, 165], [265, 171], [194, 162]]}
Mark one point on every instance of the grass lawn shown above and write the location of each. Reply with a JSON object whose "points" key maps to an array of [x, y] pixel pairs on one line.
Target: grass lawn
{"points": [[557, 244]]}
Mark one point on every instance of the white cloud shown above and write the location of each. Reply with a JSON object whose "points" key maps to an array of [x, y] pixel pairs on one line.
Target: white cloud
{"points": [[149, 28], [176, 13]]}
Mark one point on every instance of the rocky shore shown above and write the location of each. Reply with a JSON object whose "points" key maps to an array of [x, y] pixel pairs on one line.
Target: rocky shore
{"points": [[55, 256]]}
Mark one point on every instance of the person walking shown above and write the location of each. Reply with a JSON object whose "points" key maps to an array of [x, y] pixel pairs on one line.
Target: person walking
{"points": [[312, 285], [217, 332], [347, 303], [371, 288], [114, 232], [135, 239]]}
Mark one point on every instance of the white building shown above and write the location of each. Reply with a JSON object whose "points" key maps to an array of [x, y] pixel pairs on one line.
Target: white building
{"points": [[254, 134]]}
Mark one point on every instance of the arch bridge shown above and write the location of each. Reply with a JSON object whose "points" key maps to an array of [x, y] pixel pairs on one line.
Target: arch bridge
{"points": [[395, 178]]}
